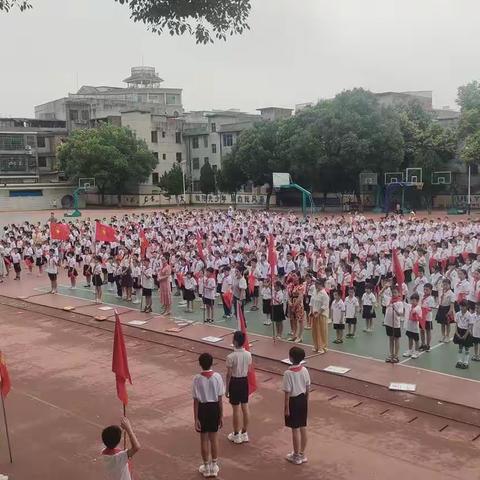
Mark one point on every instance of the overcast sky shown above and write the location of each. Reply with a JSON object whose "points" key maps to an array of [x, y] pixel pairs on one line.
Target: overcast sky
{"points": [[296, 51]]}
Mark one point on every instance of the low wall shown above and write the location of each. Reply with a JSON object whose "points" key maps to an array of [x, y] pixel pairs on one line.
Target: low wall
{"points": [[159, 200], [34, 197]]}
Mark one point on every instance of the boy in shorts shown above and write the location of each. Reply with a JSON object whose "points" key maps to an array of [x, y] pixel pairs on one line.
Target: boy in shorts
{"points": [[393, 314], [296, 385], [208, 390]]}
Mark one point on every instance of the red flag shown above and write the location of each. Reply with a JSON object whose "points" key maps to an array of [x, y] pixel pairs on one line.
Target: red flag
{"points": [[59, 231], [200, 247], [104, 233], [120, 361], [228, 298], [423, 319], [5, 384], [252, 378], [344, 291], [397, 268], [415, 269], [180, 279], [251, 283], [144, 243], [272, 256]]}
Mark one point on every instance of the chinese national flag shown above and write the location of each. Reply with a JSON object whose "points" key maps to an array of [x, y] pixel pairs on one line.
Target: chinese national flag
{"points": [[144, 244], [180, 279], [59, 231], [5, 384], [272, 256], [104, 233], [120, 362], [252, 378], [397, 268]]}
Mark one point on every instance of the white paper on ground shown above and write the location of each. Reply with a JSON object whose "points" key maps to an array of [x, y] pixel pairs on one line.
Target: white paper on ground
{"points": [[403, 387], [105, 308], [288, 362], [212, 339], [338, 370], [137, 322]]}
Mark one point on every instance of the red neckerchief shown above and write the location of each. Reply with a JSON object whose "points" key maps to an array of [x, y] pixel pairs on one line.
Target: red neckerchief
{"points": [[207, 373], [110, 451], [296, 368], [395, 299]]}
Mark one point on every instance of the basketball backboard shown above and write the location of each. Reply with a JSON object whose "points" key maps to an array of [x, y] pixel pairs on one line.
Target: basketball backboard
{"points": [[414, 175], [280, 179], [393, 177], [86, 183], [368, 178], [442, 178]]}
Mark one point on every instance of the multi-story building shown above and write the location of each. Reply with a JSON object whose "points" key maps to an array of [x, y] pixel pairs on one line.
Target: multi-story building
{"points": [[143, 92], [28, 149]]}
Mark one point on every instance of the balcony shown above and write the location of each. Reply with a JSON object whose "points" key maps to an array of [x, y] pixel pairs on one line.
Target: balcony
{"points": [[14, 166]]}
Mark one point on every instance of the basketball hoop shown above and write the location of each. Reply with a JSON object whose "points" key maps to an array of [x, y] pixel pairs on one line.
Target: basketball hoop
{"points": [[419, 185]]}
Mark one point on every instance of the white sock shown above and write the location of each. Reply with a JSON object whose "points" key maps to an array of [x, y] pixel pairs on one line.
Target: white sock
{"points": [[466, 357], [460, 355]]}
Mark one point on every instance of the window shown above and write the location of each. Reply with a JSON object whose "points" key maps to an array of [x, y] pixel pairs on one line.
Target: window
{"points": [[85, 115], [163, 133], [172, 99], [155, 154], [227, 140], [214, 148], [73, 115], [42, 162], [164, 156], [214, 168], [41, 142], [195, 142], [179, 157], [214, 127], [178, 137], [155, 178], [25, 193], [31, 141], [205, 159], [195, 163], [205, 141], [154, 136], [12, 142]]}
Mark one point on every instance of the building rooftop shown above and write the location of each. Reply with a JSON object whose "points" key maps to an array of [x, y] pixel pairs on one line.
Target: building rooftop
{"points": [[141, 77]]}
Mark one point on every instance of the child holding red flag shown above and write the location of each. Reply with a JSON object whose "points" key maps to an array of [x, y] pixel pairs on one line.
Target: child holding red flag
{"points": [[238, 364], [393, 315], [414, 318], [116, 460], [296, 385], [208, 390]]}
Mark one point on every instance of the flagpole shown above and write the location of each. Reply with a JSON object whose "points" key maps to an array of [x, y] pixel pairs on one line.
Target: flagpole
{"points": [[6, 429], [124, 432]]}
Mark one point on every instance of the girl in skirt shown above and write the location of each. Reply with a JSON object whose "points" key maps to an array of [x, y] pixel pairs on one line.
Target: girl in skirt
{"points": [[368, 308], [28, 258], [97, 278], [463, 335], [16, 259], [39, 259], [136, 274], [72, 269], [266, 293], [278, 312], [87, 268], [446, 312], [189, 291], [127, 279], [111, 274]]}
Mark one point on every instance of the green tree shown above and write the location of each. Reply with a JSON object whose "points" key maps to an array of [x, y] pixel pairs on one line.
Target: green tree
{"points": [[231, 177], [171, 182], [205, 19], [207, 178], [470, 152], [112, 155], [469, 101]]}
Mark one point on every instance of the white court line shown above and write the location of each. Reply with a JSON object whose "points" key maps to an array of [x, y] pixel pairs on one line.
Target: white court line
{"points": [[303, 344]]}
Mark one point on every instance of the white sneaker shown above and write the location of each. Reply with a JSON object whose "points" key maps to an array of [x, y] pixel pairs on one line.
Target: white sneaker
{"points": [[235, 438], [214, 469], [136, 302], [303, 458], [407, 354], [294, 458], [267, 323], [204, 470], [182, 304], [415, 354], [244, 437], [290, 456]]}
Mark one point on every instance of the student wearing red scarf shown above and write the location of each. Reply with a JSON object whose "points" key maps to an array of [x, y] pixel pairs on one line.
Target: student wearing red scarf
{"points": [[393, 314]]}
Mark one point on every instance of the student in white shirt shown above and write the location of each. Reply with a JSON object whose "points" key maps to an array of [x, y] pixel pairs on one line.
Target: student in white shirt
{"points": [[352, 308], [226, 290], [208, 390], [147, 284], [368, 308], [394, 312], [116, 461], [338, 316], [238, 363], [52, 270], [446, 309], [476, 332], [320, 306], [266, 292], [209, 294], [296, 386], [278, 310], [190, 285], [463, 334], [413, 318]]}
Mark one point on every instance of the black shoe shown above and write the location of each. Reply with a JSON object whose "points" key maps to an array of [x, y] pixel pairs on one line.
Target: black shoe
{"points": [[422, 348], [427, 348], [459, 365]]}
